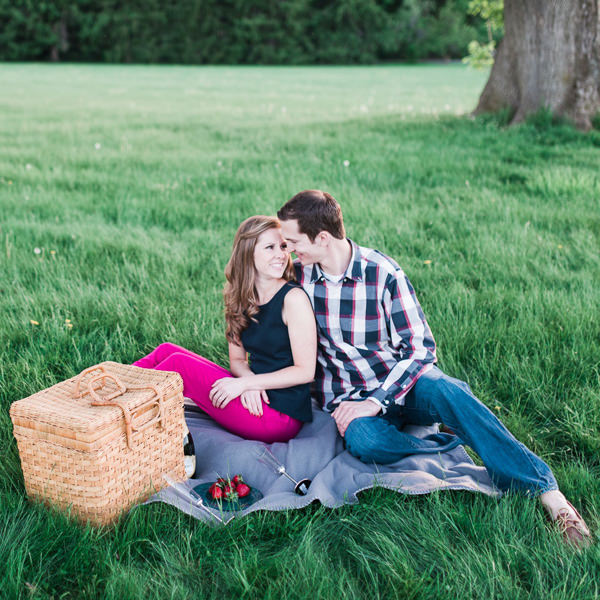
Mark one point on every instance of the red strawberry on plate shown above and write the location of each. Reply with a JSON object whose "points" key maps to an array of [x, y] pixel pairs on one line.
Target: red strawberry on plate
{"points": [[242, 490], [228, 497], [230, 493], [215, 491], [237, 479]]}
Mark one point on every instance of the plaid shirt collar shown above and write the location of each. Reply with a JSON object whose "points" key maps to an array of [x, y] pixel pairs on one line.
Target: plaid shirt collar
{"points": [[354, 271]]}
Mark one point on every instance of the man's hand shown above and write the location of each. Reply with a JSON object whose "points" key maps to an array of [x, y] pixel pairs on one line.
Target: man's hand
{"points": [[349, 410]]}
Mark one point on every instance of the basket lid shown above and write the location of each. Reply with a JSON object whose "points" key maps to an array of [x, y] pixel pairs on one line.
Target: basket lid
{"points": [[69, 409]]}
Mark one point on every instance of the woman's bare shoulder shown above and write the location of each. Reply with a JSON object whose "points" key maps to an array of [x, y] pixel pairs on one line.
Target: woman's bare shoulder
{"points": [[296, 296], [296, 305]]}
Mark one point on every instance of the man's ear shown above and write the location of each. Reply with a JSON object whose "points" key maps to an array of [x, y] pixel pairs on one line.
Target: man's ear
{"points": [[323, 238]]}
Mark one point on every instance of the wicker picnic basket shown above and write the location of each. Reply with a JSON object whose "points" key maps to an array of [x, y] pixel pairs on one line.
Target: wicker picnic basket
{"points": [[101, 442]]}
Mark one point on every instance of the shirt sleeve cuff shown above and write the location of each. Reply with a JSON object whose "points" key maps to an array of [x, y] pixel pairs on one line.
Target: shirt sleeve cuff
{"points": [[379, 397]]}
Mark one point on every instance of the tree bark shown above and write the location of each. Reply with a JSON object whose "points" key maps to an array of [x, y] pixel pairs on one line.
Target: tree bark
{"points": [[549, 58], [62, 35]]}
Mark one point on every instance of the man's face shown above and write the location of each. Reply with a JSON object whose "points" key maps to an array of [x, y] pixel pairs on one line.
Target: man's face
{"points": [[299, 243]]}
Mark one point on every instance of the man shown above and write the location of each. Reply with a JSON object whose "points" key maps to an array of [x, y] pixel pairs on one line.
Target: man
{"points": [[376, 363]]}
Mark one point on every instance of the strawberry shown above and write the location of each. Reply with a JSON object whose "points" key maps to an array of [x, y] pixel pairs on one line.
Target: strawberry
{"points": [[242, 490], [221, 482], [230, 493], [237, 479], [215, 491]]}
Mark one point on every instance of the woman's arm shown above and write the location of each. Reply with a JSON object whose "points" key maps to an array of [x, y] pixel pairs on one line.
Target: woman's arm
{"points": [[238, 361], [299, 318]]}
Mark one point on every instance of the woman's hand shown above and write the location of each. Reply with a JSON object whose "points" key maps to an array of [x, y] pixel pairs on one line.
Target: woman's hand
{"points": [[252, 401], [225, 390]]}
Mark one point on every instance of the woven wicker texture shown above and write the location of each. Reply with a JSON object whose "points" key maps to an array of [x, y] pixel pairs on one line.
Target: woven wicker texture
{"points": [[101, 441]]}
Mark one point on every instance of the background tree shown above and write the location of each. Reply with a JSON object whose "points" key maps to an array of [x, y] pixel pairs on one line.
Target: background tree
{"points": [[492, 12], [549, 58], [36, 30], [236, 31]]}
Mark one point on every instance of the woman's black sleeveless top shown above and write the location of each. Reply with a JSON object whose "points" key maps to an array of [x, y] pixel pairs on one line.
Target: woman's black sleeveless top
{"points": [[268, 345]]}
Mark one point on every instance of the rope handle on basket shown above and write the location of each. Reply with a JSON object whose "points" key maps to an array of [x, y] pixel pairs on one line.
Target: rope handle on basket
{"points": [[110, 400], [90, 390]]}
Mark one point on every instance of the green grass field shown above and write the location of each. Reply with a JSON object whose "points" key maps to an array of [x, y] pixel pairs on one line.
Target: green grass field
{"points": [[130, 183]]}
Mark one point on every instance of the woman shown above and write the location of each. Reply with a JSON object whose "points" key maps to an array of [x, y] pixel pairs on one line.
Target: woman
{"points": [[270, 327]]}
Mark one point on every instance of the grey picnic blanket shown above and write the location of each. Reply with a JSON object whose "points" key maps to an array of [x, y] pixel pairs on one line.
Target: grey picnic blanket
{"points": [[317, 453]]}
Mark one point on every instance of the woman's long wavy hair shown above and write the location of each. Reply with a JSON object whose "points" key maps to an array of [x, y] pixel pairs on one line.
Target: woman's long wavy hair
{"points": [[241, 297]]}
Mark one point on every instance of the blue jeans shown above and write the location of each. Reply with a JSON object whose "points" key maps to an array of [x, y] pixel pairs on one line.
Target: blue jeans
{"points": [[438, 398]]}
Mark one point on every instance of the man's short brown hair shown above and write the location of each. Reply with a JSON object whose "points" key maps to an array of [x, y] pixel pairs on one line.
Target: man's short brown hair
{"points": [[315, 211]]}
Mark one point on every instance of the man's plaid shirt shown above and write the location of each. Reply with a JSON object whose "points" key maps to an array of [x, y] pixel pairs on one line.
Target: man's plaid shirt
{"points": [[374, 341]]}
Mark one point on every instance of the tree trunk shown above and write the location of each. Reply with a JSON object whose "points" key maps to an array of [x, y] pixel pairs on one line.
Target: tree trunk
{"points": [[549, 58], [62, 42]]}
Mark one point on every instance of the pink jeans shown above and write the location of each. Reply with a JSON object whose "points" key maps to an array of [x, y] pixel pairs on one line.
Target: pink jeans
{"points": [[199, 374]]}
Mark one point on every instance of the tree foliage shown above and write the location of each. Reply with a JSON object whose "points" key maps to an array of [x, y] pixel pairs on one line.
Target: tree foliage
{"points": [[236, 31], [492, 12]]}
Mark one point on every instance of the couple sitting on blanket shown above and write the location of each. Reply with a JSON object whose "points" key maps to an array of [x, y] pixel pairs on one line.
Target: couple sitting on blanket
{"points": [[375, 365]]}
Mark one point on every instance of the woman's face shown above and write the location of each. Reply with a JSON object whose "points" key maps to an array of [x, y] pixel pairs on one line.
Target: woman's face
{"points": [[271, 255]]}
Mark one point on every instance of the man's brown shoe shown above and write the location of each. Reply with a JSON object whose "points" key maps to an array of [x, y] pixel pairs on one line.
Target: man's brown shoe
{"points": [[572, 527]]}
